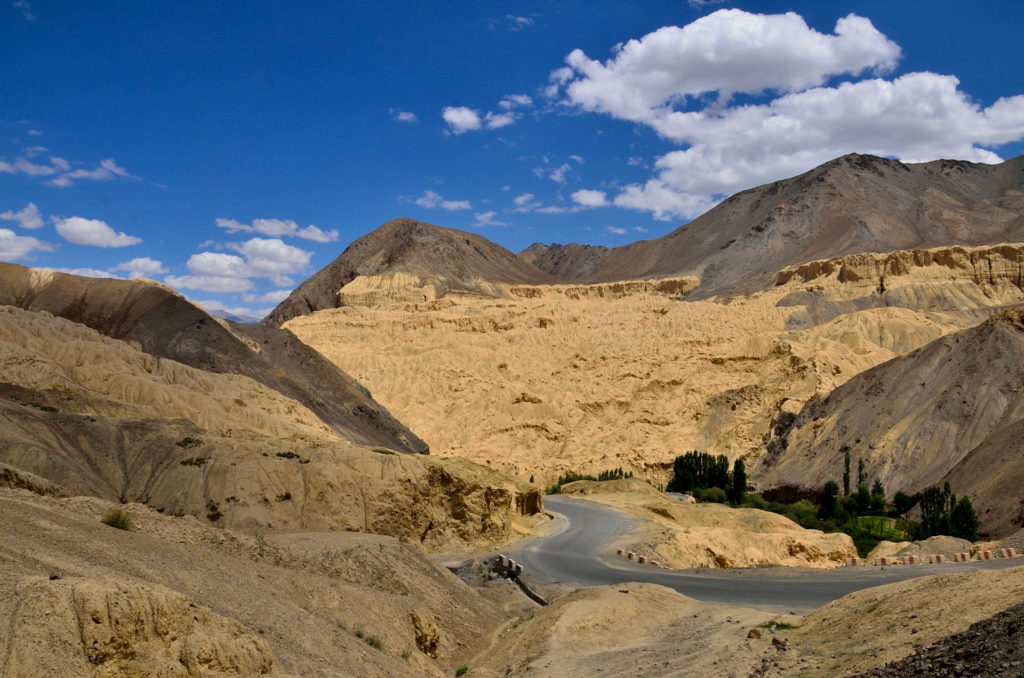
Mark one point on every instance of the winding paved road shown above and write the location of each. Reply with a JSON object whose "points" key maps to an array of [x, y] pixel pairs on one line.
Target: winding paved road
{"points": [[581, 551]]}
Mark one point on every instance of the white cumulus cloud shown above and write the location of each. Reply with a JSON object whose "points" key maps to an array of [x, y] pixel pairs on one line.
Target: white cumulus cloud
{"points": [[27, 217], [487, 219], [266, 257], [269, 258], [14, 247], [278, 227], [403, 116], [727, 52], [461, 119], [680, 81], [94, 232], [590, 198], [141, 267], [209, 283]]}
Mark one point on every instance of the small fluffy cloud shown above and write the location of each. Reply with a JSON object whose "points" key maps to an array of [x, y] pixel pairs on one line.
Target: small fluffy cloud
{"points": [[432, 199], [461, 119], [260, 258], [14, 247], [700, 4], [589, 198], [499, 120], [511, 101], [487, 219], [557, 174], [141, 267], [278, 227], [403, 116], [616, 230], [266, 257], [60, 170], [27, 217], [663, 201], [272, 297], [94, 232]]}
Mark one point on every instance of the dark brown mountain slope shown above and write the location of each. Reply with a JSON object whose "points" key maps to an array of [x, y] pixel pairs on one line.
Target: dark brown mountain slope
{"points": [[952, 410], [856, 203], [165, 325], [566, 262], [451, 260]]}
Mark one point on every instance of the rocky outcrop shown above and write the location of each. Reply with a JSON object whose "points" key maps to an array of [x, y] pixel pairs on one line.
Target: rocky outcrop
{"points": [[672, 287], [105, 628], [997, 265]]}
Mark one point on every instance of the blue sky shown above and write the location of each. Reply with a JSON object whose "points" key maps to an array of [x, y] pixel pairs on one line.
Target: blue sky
{"points": [[232, 149]]}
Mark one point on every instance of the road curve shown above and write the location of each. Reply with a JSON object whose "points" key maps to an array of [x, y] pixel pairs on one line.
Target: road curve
{"points": [[581, 552]]}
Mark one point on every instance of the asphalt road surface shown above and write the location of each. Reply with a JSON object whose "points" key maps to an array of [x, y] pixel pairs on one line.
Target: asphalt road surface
{"points": [[581, 552]]}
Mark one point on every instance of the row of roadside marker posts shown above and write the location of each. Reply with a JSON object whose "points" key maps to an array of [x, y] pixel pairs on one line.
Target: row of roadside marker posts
{"points": [[911, 559], [630, 555]]}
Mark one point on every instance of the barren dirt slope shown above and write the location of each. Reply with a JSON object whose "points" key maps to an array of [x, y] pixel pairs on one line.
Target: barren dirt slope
{"points": [[175, 597], [918, 419], [853, 204], [99, 417], [163, 324]]}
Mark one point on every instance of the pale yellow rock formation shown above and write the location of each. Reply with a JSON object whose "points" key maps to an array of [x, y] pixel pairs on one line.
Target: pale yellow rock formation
{"points": [[686, 535], [563, 378], [178, 597], [95, 416]]}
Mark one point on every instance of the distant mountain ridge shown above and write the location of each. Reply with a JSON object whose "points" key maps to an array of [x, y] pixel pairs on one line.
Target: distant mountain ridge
{"points": [[850, 205], [455, 260]]}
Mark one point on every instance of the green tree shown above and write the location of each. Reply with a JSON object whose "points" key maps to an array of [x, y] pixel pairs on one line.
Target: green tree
{"points": [[739, 482], [936, 506], [860, 472], [846, 474], [863, 500], [699, 470], [903, 502], [827, 509], [963, 520]]}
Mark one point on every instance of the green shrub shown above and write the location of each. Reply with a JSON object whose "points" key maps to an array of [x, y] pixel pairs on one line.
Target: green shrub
{"points": [[711, 495], [461, 671], [118, 518]]}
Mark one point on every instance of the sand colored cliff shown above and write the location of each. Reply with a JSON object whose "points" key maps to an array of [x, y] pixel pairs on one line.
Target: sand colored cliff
{"points": [[542, 382]]}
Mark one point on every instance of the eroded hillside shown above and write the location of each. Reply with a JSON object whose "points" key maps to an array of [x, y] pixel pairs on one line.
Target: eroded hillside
{"points": [[541, 381], [951, 410], [99, 417]]}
